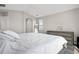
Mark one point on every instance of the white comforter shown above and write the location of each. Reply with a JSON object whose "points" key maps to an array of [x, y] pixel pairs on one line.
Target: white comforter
{"points": [[34, 43]]}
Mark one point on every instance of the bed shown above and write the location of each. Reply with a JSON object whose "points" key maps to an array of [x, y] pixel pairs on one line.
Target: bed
{"points": [[30, 43]]}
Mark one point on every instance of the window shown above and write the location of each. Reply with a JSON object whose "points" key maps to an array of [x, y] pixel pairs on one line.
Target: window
{"points": [[39, 21], [40, 25]]}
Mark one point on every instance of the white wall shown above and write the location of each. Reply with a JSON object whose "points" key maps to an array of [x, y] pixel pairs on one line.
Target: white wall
{"points": [[14, 21], [3, 22], [64, 21]]}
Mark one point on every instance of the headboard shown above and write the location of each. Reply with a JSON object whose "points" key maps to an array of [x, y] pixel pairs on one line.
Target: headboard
{"points": [[69, 36]]}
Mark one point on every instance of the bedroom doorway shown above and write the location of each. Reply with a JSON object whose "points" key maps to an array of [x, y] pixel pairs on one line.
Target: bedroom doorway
{"points": [[29, 25]]}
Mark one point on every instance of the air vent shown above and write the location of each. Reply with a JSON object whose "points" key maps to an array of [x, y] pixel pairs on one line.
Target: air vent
{"points": [[2, 5]]}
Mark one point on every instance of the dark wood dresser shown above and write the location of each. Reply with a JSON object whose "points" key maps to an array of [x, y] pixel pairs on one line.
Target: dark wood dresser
{"points": [[69, 36]]}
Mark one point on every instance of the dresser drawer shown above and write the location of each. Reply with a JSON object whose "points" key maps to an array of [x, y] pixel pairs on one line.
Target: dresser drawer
{"points": [[70, 42]]}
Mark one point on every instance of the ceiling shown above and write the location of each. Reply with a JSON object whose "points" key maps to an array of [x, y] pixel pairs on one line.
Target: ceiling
{"points": [[40, 10]]}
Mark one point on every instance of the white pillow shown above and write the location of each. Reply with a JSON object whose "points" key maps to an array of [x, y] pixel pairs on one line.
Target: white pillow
{"points": [[12, 34]]}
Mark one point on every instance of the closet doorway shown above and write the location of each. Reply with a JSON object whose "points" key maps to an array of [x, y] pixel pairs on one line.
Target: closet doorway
{"points": [[29, 25]]}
